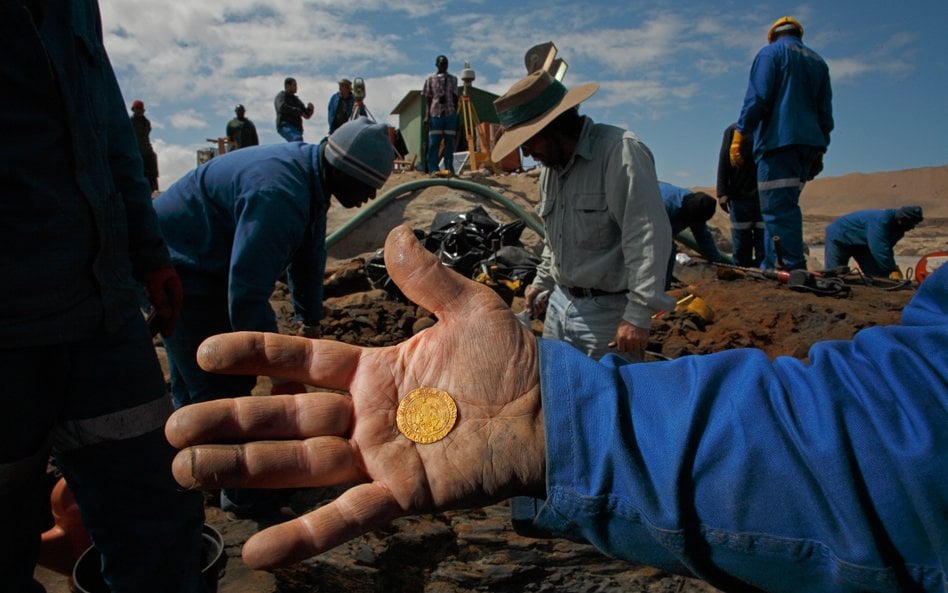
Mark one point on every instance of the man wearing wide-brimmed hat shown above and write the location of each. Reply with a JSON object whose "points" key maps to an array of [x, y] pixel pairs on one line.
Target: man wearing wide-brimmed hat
{"points": [[340, 105], [607, 236]]}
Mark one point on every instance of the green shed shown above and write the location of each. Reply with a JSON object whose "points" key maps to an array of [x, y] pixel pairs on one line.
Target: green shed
{"points": [[411, 112]]}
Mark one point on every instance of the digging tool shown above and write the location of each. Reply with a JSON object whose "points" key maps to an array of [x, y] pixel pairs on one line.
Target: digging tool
{"points": [[778, 252], [799, 280], [781, 276]]}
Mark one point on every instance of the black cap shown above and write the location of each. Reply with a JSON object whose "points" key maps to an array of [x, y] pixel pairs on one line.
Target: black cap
{"points": [[911, 214], [699, 207]]}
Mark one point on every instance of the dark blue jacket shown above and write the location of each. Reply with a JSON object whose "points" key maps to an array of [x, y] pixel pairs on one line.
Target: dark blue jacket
{"points": [[875, 229], [673, 197], [235, 223], [789, 98], [335, 103], [76, 219]]}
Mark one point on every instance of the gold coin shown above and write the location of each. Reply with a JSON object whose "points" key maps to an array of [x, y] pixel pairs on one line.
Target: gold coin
{"points": [[426, 415]]}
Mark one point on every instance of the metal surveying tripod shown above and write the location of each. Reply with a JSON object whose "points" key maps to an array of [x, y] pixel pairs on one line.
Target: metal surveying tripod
{"points": [[469, 117], [358, 93]]}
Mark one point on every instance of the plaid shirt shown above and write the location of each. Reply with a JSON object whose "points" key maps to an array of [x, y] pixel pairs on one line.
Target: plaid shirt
{"points": [[441, 88]]}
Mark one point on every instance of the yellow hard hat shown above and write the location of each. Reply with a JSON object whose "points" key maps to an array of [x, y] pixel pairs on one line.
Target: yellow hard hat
{"points": [[782, 24]]}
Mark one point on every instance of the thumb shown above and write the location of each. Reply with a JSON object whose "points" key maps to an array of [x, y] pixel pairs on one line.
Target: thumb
{"points": [[426, 281]]}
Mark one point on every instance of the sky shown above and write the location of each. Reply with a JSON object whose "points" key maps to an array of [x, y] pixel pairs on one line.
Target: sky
{"points": [[674, 73]]}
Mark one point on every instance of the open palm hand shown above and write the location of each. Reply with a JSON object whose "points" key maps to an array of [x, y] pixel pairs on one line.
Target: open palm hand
{"points": [[477, 352]]}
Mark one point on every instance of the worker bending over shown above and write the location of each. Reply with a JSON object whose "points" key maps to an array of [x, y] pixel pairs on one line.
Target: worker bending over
{"points": [[868, 236]]}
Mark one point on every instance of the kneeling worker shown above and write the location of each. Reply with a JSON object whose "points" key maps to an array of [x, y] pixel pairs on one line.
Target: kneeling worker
{"points": [[234, 224], [868, 236], [689, 210]]}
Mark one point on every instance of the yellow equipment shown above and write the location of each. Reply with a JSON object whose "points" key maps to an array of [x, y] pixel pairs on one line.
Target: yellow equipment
{"points": [[697, 306], [470, 120]]}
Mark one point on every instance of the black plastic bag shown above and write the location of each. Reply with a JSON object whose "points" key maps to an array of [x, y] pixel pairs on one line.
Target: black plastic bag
{"points": [[471, 243]]}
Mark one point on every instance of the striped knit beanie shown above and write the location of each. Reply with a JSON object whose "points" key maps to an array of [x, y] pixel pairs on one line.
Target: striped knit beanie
{"points": [[362, 149], [912, 214]]}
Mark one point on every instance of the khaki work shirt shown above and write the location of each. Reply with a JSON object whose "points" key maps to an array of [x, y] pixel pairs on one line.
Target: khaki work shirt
{"points": [[605, 222]]}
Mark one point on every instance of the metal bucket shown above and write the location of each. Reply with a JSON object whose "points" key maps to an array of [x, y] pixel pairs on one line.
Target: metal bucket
{"points": [[88, 579]]}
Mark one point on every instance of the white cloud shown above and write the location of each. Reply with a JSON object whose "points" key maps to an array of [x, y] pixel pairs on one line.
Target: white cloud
{"points": [[185, 50], [187, 120], [844, 68], [893, 56], [641, 92], [174, 161], [657, 61]]}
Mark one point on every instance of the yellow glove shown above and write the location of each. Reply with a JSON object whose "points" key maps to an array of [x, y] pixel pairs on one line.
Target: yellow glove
{"points": [[896, 275], [737, 159]]}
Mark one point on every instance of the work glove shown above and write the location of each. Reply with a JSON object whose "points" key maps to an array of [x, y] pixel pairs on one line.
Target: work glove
{"points": [[166, 295], [895, 275], [723, 203], [737, 159], [816, 168], [286, 387]]}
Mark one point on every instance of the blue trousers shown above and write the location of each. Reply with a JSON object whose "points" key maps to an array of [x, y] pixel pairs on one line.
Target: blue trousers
{"points": [[781, 174], [442, 128], [747, 232], [202, 317], [837, 254], [99, 406], [290, 133]]}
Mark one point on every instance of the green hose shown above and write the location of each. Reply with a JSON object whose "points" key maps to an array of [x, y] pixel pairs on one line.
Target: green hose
{"points": [[688, 239], [685, 236], [418, 184]]}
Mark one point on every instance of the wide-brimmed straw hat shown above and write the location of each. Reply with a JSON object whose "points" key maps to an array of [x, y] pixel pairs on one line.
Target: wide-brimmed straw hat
{"points": [[530, 105]]}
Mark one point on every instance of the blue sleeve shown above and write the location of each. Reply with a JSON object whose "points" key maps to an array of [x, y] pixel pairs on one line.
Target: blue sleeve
{"points": [[672, 198], [878, 241], [270, 225], [826, 108], [757, 99], [306, 273], [332, 107], [782, 475]]}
